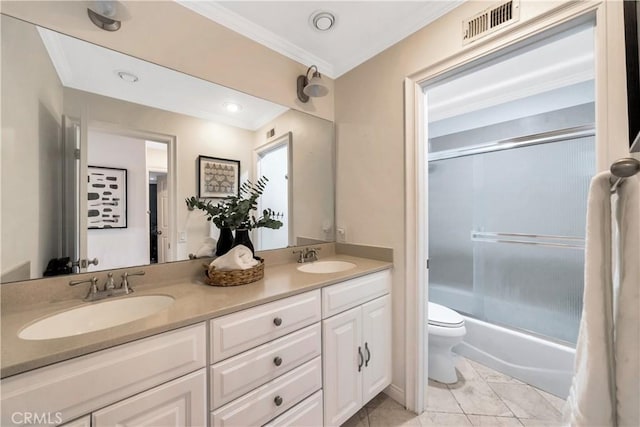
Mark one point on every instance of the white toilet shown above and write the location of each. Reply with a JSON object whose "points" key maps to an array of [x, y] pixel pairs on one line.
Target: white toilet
{"points": [[446, 329]]}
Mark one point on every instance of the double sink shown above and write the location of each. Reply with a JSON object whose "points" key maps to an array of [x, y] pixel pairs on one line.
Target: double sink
{"points": [[97, 316]]}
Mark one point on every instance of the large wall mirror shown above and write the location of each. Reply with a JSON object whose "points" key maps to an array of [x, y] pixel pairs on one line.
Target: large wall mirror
{"points": [[100, 151]]}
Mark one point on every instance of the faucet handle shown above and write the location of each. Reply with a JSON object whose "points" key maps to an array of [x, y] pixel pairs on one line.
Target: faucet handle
{"points": [[125, 282], [93, 289], [93, 281], [300, 256]]}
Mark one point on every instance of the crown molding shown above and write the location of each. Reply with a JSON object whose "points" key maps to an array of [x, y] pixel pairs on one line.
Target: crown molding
{"points": [[246, 28], [393, 34]]}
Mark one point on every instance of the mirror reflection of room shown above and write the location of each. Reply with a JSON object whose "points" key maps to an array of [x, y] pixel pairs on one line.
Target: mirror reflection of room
{"points": [[69, 105]]}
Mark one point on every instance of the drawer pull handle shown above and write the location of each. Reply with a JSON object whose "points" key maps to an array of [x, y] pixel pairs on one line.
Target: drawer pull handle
{"points": [[277, 321], [366, 347], [277, 361], [360, 359], [278, 401]]}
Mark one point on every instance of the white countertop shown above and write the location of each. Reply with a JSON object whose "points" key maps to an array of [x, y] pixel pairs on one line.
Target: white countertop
{"points": [[194, 302]]}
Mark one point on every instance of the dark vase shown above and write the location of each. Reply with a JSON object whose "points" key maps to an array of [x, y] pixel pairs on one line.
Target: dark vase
{"points": [[242, 238], [225, 241]]}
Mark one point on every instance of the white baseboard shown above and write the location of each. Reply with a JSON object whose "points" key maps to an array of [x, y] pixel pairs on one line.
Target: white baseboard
{"points": [[396, 393]]}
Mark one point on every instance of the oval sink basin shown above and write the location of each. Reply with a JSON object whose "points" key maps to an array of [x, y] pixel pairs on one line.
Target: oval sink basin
{"points": [[94, 317], [326, 267]]}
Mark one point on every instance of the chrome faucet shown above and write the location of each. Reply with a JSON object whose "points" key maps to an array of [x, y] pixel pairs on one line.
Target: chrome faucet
{"points": [[307, 254], [109, 289]]}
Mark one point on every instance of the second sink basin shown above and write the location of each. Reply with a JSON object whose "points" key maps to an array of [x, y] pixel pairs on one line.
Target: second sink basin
{"points": [[96, 316], [326, 267]]}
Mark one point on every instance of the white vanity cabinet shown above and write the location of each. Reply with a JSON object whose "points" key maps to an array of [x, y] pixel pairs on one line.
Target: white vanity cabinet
{"points": [[80, 422], [356, 344], [80, 386], [178, 403], [265, 360]]}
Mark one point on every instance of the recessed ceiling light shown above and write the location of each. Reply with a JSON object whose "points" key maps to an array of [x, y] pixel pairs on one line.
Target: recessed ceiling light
{"points": [[322, 20], [232, 107], [127, 77]]}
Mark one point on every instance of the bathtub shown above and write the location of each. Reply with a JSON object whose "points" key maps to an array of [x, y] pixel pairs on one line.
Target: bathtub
{"points": [[543, 364], [540, 362]]}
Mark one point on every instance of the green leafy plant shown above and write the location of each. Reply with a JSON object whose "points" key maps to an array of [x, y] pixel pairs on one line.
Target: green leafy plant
{"points": [[237, 211]]}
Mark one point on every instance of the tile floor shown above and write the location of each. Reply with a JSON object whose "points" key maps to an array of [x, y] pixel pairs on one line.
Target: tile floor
{"points": [[481, 397]]}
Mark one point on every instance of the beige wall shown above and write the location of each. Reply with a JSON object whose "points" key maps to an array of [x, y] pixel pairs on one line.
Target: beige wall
{"points": [[168, 34], [370, 123], [31, 144], [313, 187], [194, 137]]}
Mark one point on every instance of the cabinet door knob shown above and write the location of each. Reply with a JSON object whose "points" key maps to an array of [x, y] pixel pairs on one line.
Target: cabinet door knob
{"points": [[277, 321], [277, 361], [278, 401]]}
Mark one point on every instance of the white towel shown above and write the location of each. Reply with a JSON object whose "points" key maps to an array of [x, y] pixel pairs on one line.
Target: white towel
{"points": [[208, 248], [238, 258], [627, 337], [591, 400]]}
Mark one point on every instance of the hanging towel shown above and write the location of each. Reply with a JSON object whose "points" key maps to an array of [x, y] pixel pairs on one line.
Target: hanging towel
{"points": [[238, 258], [591, 400], [627, 314]]}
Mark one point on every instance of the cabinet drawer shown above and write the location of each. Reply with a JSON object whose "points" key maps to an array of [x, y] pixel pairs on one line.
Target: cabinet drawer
{"points": [[245, 329], [180, 402], [259, 406], [78, 386], [346, 295], [307, 413], [244, 372]]}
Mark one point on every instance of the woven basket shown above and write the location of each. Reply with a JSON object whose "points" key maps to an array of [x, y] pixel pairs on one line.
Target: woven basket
{"points": [[215, 277]]}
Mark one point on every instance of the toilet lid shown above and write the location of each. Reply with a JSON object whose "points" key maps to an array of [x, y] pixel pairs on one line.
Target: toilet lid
{"points": [[445, 317]]}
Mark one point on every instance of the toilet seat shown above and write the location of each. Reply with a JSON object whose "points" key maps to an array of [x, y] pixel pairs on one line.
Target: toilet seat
{"points": [[444, 317]]}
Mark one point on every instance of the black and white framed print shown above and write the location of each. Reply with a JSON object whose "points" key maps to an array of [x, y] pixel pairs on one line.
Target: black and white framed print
{"points": [[218, 178], [107, 197]]}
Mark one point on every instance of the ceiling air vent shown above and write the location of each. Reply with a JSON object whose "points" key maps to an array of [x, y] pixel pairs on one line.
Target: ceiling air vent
{"points": [[490, 20]]}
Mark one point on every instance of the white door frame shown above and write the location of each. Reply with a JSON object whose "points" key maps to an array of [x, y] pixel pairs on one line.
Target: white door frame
{"points": [[172, 171], [611, 143]]}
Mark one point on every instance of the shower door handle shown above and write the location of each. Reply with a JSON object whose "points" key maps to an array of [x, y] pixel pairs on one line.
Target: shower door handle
{"points": [[360, 359]]}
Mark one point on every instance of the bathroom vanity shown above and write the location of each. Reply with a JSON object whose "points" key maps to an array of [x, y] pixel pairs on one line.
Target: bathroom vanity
{"points": [[269, 353]]}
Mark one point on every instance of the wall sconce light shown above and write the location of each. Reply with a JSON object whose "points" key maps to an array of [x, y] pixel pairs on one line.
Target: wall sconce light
{"points": [[104, 15], [314, 87]]}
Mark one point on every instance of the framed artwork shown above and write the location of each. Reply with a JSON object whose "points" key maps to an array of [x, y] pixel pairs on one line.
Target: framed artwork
{"points": [[107, 197], [218, 178]]}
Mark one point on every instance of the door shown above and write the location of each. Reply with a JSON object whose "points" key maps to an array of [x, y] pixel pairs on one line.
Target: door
{"points": [[343, 363], [178, 403], [162, 229], [273, 162], [376, 335]]}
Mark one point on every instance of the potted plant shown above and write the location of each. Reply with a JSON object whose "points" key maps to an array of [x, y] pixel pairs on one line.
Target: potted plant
{"points": [[237, 213]]}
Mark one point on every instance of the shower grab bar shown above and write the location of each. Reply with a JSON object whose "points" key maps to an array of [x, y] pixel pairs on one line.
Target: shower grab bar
{"points": [[521, 141], [565, 242]]}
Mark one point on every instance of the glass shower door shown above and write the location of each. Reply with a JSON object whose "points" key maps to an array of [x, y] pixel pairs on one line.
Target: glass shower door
{"points": [[528, 236]]}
